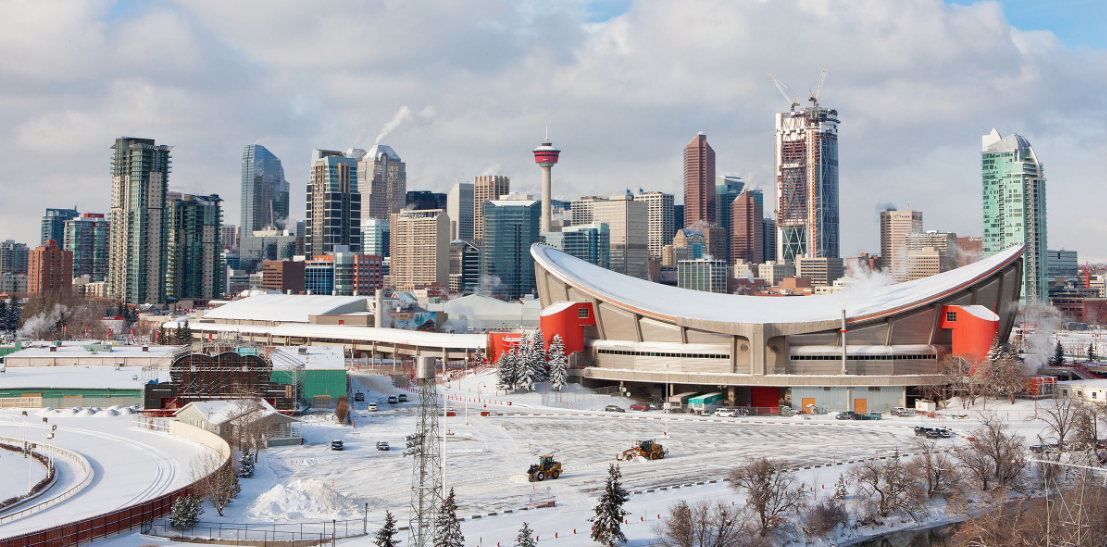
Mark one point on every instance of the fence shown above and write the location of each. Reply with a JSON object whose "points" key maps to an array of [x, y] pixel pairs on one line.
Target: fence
{"points": [[55, 452], [594, 399], [67, 402], [312, 533]]}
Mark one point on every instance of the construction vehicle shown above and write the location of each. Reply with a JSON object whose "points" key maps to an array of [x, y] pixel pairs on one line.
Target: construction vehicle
{"points": [[546, 467], [644, 449]]}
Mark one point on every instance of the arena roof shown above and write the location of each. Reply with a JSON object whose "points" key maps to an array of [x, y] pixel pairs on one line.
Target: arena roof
{"points": [[864, 300], [352, 334]]}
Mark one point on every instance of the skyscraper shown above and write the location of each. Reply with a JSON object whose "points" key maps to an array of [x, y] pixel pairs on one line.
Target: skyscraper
{"points": [[50, 270], [383, 181], [333, 204], [264, 191], [420, 248], [464, 266], [87, 238], [699, 181], [486, 188], [510, 228], [375, 233], [588, 242], [628, 225], [1015, 206], [727, 189], [136, 255], [768, 238], [747, 223], [53, 224], [193, 248], [425, 200], [459, 206], [661, 227], [894, 227], [13, 257], [807, 183]]}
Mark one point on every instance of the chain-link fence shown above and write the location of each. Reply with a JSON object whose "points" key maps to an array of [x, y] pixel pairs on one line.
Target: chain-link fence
{"points": [[303, 533]]}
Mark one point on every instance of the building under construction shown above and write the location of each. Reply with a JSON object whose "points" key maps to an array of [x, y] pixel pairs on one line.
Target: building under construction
{"points": [[807, 180]]}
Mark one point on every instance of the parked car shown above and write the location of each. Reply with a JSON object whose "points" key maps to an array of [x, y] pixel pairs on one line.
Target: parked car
{"points": [[393, 400], [336, 445], [726, 413], [613, 408], [640, 406], [381, 445], [847, 415], [870, 416], [920, 431], [902, 412], [403, 397], [373, 407], [359, 397]]}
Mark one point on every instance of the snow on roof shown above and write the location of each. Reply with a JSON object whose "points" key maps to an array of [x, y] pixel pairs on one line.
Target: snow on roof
{"points": [[89, 377], [218, 412], [1085, 383], [69, 352], [315, 357], [981, 312], [289, 308], [557, 307], [342, 333], [513, 202], [378, 149], [666, 302]]}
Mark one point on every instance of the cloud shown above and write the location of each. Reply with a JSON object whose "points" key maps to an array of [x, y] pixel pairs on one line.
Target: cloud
{"points": [[915, 83]]}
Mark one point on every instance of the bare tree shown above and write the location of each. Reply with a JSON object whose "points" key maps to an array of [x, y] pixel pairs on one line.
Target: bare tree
{"points": [[824, 516], [1085, 431], [702, 525], [247, 424], [1060, 418], [216, 479], [342, 410], [1005, 377], [995, 456], [887, 483], [937, 471], [771, 490]]}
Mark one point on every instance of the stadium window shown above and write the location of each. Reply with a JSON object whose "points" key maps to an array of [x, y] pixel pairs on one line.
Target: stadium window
{"points": [[951, 316], [582, 313]]}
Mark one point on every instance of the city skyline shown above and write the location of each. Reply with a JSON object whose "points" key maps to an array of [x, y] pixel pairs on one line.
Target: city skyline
{"points": [[896, 118]]}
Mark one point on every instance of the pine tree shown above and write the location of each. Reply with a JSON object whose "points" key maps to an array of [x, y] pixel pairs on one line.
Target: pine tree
{"points": [[525, 539], [528, 371], [559, 364], [505, 370], [385, 536], [447, 528], [607, 520], [518, 368], [184, 333], [1058, 355], [246, 464], [185, 512], [163, 335], [1091, 352], [840, 488]]}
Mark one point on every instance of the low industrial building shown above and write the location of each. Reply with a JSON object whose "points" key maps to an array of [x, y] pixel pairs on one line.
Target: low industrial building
{"points": [[71, 386], [1091, 391], [222, 417], [52, 355]]}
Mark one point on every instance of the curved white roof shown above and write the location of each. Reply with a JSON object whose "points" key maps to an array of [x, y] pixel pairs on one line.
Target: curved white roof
{"points": [[862, 301]]}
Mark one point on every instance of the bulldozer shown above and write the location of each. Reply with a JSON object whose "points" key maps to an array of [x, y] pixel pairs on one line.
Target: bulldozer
{"points": [[643, 449], [545, 468]]}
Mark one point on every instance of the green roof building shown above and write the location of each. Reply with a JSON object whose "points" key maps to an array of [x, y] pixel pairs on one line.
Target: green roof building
{"points": [[1015, 206]]}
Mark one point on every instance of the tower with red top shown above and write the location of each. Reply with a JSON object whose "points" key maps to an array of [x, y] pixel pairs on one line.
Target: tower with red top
{"points": [[546, 156]]}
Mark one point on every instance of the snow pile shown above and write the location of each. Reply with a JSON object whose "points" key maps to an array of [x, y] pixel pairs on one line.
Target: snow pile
{"points": [[107, 413], [126, 411], [70, 411], [304, 499], [48, 411], [520, 478], [85, 412]]}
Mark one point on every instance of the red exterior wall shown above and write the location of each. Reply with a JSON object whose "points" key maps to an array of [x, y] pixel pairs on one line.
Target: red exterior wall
{"points": [[569, 324], [767, 397], [500, 342], [972, 336]]}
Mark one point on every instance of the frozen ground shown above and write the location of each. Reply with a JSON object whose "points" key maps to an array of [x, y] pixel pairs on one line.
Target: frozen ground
{"points": [[129, 465], [13, 465]]}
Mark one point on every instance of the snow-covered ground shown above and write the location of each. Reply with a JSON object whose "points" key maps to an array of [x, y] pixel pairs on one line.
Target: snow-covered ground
{"points": [[129, 465], [15, 469]]}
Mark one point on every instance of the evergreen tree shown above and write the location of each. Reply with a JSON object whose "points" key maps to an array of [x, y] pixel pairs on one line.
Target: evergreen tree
{"points": [[528, 372], [1058, 355], [525, 537], [840, 488], [447, 528], [186, 512], [246, 464], [518, 368], [385, 536], [505, 370], [1091, 352], [559, 364], [539, 358], [607, 520], [163, 334], [184, 333]]}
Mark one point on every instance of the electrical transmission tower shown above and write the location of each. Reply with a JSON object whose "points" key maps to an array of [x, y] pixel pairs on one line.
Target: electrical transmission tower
{"points": [[426, 446]]}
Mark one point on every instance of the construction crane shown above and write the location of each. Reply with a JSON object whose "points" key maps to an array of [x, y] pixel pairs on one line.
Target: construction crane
{"points": [[814, 97], [792, 102]]}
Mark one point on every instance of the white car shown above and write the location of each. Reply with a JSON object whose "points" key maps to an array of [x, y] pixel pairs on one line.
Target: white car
{"points": [[373, 407], [726, 413]]}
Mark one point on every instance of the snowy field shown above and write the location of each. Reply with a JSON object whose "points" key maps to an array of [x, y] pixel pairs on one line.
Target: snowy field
{"points": [[13, 465], [129, 465]]}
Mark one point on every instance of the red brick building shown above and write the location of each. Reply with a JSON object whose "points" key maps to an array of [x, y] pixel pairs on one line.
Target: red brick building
{"points": [[746, 229], [49, 270], [699, 182]]}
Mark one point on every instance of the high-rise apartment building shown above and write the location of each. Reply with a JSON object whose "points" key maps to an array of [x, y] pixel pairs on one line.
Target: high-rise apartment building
{"points": [[727, 189], [87, 238], [333, 204], [375, 236], [661, 227], [807, 183], [1015, 206], [704, 274], [264, 191], [821, 271], [486, 188], [13, 257], [382, 176], [356, 274], [420, 243], [318, 275], [699, 181], [464, 266], [459, 206], [510, 228], [929, 253], [137, 223], [588, 242], [747, 222], [628, 225], [228, 237], [193, 248], [894, 227], [53, 224], [49, 270], [581, 209]]}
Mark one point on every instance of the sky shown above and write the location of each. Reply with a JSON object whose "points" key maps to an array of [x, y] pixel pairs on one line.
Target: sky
{"points": [[623, 85]]}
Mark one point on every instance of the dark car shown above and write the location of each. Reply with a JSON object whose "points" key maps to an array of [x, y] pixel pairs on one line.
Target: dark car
{"points": [[403, 397], [359, 397], [640, 406], [383, 446], [847, 415], [920, 430], [336, 445], [392, 400], [613, 408]]}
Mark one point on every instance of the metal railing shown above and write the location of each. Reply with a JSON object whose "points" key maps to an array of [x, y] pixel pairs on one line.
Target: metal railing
{"points": [[264, 533]]}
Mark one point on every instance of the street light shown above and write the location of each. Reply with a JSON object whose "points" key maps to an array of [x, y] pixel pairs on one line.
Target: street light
{"points": [[479, 384]]}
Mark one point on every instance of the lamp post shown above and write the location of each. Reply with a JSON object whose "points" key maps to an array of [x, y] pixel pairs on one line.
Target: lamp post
{"points": [[479, 385]]}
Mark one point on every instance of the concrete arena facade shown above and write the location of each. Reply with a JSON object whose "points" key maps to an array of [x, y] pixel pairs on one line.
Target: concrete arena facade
{"points": [[655, 340]]}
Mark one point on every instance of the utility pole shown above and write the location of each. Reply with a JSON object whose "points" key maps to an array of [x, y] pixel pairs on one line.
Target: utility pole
{"points": [[426, 479]]}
